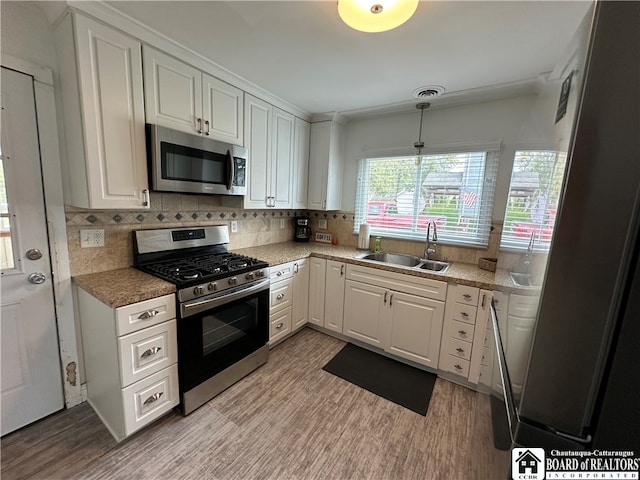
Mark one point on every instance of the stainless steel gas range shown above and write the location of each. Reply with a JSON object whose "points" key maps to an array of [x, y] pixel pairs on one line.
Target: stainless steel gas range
{"points": [[222, 304]]}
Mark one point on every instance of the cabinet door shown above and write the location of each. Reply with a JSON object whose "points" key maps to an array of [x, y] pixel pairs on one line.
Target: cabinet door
{"points": [[415, 328], [173, 92], [281, 171], [520, 334], [482, 321], [364, 308], [300, 163], [258, 116], [318, 165], [334, 296], [223, 109], [110, 76], [300, 294], [317, 277]]}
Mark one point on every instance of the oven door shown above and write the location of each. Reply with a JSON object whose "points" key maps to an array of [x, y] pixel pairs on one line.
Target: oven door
{"points": [[216, 332]]}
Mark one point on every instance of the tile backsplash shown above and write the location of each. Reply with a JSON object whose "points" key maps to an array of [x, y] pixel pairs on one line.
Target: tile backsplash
{"points": [[255, 227]]}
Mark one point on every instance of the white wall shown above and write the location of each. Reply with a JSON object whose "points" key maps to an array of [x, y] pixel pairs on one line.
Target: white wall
{"points": [[26, 34], [503, 119]]}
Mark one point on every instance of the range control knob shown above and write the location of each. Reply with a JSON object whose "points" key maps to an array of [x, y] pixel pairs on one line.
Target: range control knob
{"points": [[199, 290], [249, 276], [259, 273], [212, 286], [233, 281]]}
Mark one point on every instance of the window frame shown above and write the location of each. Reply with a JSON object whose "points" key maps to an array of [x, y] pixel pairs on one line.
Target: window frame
{"points": [[492, 154]]}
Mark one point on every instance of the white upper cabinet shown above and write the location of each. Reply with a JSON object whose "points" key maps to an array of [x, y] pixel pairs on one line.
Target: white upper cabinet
{"points": [[300, 163], [182, 97], [103, 115], [270, 141], [326, 159]]}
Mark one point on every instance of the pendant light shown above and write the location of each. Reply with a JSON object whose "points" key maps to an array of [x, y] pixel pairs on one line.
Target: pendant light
{"points": [[420, 144], [376, 15]]}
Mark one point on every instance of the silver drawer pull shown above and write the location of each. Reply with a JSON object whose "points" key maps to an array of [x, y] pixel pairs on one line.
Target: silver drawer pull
{"points": [[150, 351], [280, 325], [280, 296], [148, 314], [460, 350], [153, 398], [457, 367], [464, 314], [462, 332], [466, 296]]}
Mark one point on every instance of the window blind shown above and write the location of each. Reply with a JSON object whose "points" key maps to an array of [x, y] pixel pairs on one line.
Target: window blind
{"points": [[399, 196], [534, 192]]}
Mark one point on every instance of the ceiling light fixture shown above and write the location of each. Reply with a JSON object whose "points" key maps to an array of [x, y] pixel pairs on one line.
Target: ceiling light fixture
{"points": [[376, 15], [420, 144]]}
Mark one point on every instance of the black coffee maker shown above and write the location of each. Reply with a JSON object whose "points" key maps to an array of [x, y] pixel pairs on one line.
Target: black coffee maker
{"points": [[301, 229]]}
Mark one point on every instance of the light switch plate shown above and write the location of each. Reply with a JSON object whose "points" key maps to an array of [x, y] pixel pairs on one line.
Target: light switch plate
{"points": [[234, 226], [322, 224], [282, 223], [91, 238]]}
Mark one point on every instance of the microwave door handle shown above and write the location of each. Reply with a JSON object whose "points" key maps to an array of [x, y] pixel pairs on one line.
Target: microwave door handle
{"points": [[230, 170]]}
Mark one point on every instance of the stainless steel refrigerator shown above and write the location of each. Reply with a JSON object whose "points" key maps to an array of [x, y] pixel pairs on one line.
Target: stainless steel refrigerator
{"points": [[582, 383]]}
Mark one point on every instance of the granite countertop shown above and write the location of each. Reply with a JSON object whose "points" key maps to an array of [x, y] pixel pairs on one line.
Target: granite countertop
{"points": [[277, 253], [129, 285], [124, 286]]}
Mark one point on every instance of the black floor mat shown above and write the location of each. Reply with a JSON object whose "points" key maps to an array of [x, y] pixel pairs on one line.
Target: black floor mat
{"points": [[407, 386]]}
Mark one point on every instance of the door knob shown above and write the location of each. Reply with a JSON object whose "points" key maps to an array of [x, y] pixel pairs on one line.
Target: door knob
{"points": [[34, 254], [37, 278]]}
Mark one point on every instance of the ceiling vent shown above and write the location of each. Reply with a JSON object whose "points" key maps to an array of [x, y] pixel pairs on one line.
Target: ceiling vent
{"points": [[430, 91]]}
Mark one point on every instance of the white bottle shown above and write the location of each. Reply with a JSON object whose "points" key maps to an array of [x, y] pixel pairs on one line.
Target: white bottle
{"points": [[363, 238]]}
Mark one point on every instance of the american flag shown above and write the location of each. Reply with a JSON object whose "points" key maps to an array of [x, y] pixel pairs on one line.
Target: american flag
{"points": [[469, 198]]}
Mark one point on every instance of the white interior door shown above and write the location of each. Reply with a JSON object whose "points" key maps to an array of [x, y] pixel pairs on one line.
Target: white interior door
{"points": [[31, 375]]}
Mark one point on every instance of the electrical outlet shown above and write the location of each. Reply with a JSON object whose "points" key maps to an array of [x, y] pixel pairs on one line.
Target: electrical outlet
{"points": [[282, 223], [92, 238], [322, 224], [234, 226]]}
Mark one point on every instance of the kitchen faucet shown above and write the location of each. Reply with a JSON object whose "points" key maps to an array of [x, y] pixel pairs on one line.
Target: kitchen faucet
{"points": [[527, 256], [427, 245]]}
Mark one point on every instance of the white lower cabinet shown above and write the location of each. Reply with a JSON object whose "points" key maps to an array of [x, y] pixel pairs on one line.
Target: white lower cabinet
{"points": [[130, 356], [395, 319], [326, 293], [289, 304], [521, 319], [465, 335]]}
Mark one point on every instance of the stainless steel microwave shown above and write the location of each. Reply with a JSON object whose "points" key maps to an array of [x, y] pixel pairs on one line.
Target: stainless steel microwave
{"points": [[185, 163]]}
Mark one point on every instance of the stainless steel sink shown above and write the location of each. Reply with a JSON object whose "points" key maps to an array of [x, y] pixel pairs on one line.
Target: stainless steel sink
{"points": [[434, 266], [525, 279], [394, 258], [405, 261]]}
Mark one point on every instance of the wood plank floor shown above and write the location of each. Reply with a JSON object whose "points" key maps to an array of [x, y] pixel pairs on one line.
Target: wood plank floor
{"points": [[288, 420]]}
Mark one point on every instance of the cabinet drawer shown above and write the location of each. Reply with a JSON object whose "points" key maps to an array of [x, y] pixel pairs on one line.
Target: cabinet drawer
{"points": [[150, 398], [523, 305], [147, 351], [467, 295], [280, 325], [413, 285], [464, 313], [458, 348], [488, 339], [281, 272], [459, 366], [500, 300], [281, 296], [486, 372], [487, 356], [137, 316], [462, 330]]}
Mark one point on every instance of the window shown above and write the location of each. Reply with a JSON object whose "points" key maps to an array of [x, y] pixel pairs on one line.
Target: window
{"points": [[536, 182], [399, 196]]}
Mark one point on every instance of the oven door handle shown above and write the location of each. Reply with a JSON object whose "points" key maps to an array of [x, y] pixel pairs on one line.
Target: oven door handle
{"points": [[188, 309]]}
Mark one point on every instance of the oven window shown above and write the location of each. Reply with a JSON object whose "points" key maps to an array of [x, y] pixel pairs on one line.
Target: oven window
{"points": [[192, 165], [228, 326]]}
